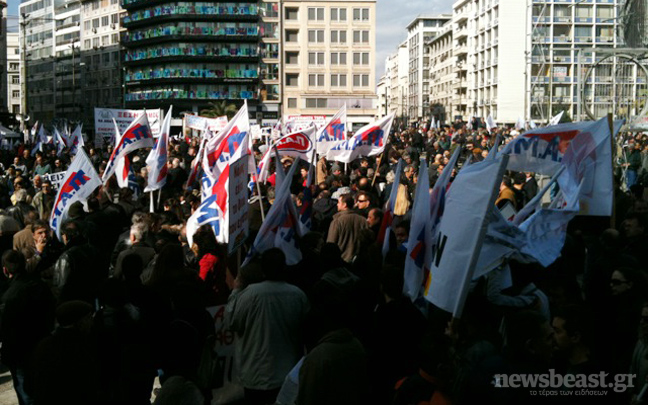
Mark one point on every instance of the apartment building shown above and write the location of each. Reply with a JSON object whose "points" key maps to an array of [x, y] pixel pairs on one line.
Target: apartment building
{"points": [[100, 69], [328, 51], [3, 57], [13, 73], [420, 32], [442, 73]]}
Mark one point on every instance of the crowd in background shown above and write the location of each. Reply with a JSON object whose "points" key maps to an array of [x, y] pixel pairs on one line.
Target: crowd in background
{"points": [[121, 299]]}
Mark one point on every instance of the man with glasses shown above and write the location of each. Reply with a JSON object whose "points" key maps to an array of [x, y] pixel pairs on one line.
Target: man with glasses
{"points": [[363, 203]]}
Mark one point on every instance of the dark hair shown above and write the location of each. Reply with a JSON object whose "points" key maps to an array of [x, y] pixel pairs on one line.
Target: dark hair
{"points": [[347, 199], [507, 181], [206, 241], [578, 320], [641, 219], [39, 223], [273, 264], [14, 262], [71, 230]]}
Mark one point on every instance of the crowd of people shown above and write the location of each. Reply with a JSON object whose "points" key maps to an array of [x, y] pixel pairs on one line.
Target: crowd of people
{"points": [[121, 299]]}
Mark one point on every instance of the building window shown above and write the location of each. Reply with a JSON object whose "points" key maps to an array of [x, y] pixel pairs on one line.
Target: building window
{"points": [[292, 36], [87, 24], [360, 80], [338, 37], [338, 14], [14, 66], [316, 80], [292, 79], [292, 14], [316, 36], [338, 58], [316, 102], [87, 44], [315, 13], [104, 21], [105, 40], [361, 58], [292, 103], [95, 23], [316, 58], [360, 14], [360, 37], [338, 80], [15, 93], [15, 79], [292, 58]]}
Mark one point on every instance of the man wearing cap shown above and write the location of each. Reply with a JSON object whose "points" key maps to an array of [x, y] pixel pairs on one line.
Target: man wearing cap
{"points": [[346, 227]]}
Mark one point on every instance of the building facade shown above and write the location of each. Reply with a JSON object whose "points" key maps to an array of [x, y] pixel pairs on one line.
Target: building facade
{"points": [[441, 65], [99, 71], [4, 106], [190, 54], [13, 73], [329, 59], [419, 32]]}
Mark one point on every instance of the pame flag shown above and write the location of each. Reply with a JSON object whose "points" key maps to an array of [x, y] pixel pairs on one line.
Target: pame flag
{"points": [[461, 231], [76, 140], [298, 144], [157, 158], [415, 270], [231, 143], [208, 213], [137, 135], [369, 140], [196, 164], [126, 176], [281, 227], [81, 180], [388, 217], [334, 130], [541, 150]]}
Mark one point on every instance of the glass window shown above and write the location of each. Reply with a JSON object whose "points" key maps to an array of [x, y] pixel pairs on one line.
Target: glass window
{"points": [[316, 14], [292, 36], [292, 79], [292, 58], [292, 103], [292, 13]]}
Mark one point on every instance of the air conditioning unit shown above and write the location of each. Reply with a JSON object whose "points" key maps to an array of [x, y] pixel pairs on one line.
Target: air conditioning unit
{"points": [[112, 26], [557, 59]]}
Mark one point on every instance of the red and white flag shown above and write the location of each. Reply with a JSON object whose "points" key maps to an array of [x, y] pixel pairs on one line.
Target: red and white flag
{"points": [[298, 144], [137, 135], [332, 132], [158, 157], [369, 140]]}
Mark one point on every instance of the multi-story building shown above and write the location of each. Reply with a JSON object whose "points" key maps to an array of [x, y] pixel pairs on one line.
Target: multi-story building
{"points": [[442, 75], [190, 54], [329, 58], [3, 57], [419, 32], [399, 62], [100, 68], [382, 92], [268, 110], [13, 73], [67, 102], [564, 35], [37, 26]]}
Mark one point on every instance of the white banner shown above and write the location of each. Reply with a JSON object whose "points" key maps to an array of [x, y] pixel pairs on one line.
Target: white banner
{"points": [[104, 126], [238, 206], [55, 178], [200, 123], [299, 122]]}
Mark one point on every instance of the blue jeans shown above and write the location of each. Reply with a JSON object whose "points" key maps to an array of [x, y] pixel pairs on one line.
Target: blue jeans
{"points": [[631, 178], [18, 377]]}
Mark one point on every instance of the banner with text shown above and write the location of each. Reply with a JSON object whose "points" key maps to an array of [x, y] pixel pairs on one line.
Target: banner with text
{"points": [[104, 120]]}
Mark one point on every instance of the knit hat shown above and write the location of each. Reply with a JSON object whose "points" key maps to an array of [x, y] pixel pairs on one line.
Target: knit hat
{"points": [[336, 167]]}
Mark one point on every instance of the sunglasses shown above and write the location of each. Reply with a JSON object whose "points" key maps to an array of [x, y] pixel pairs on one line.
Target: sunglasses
{"points": [[360, 201]]}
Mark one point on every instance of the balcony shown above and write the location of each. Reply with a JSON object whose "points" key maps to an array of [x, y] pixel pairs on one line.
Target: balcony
{"points": [[495, 22], [164, 13], [583, 19], [561, 100], [564, 20], [541, 19], [562, 79], [539, 79], [562, 39], [460, 50], [461, 17], [605, 39]]}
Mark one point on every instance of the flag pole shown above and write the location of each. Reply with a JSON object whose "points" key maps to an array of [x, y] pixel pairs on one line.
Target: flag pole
{"points": [[151, 208], [612, 152], [379, 162], [258, 186], [159, 198]]}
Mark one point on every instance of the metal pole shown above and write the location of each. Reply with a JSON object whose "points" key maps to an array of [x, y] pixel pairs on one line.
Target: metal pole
{"points": [[23, 76]]}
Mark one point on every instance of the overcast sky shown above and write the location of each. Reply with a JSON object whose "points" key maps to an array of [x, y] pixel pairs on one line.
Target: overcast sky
{"points": [[391, 19]]}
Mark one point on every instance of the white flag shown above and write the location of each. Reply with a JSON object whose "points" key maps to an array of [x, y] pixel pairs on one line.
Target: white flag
{"points": [[556, 119], [490, 123], [519, 124], [157, 158], [369, 140], [137, 135], [298, 144], [81, 180], [332, 132], [461, 233]]}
